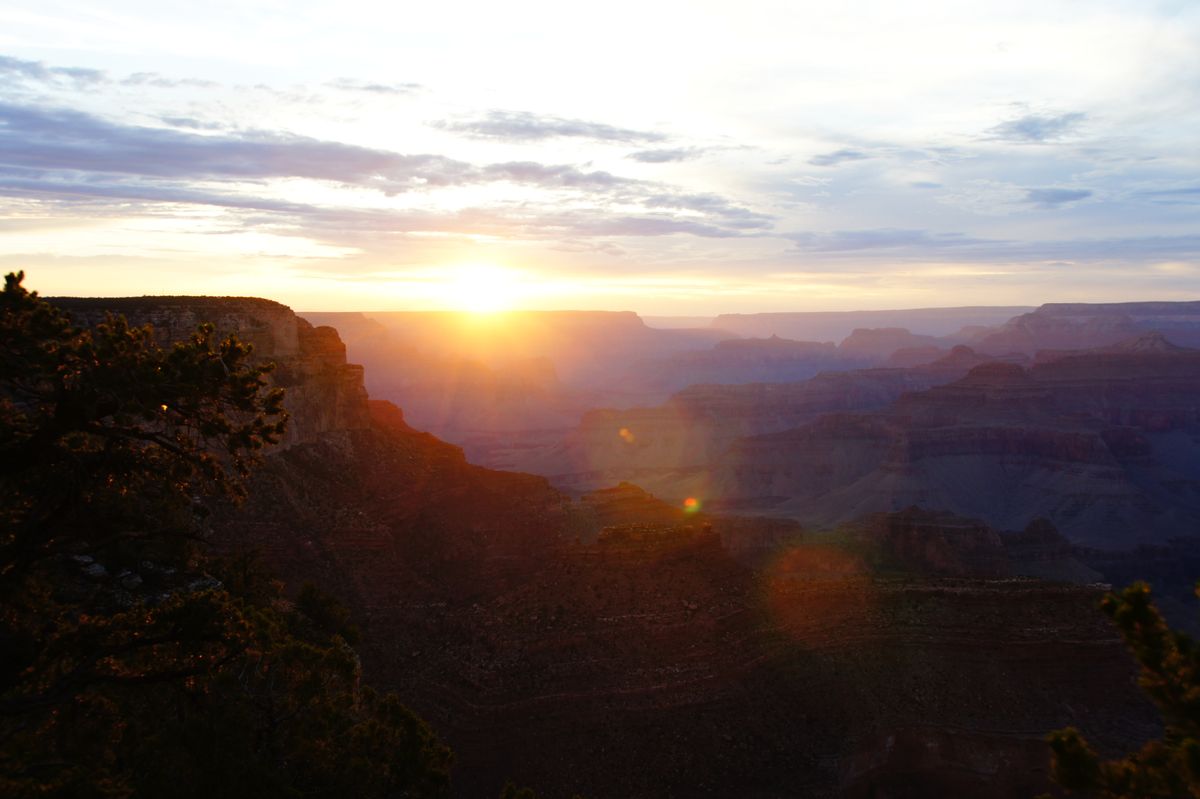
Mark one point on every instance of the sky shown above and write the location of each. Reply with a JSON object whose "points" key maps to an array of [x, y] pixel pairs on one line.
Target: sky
{"points": [[665, 157]]}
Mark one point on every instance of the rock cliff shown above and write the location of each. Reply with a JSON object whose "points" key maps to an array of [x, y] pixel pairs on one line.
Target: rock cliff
{"points": [[836, 325], [1081, 326], [1105, 444], [324, 394], [668, 448], [879, 344]]}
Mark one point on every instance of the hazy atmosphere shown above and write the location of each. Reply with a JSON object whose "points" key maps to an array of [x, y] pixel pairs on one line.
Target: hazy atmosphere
{"points": [[666, 158]]}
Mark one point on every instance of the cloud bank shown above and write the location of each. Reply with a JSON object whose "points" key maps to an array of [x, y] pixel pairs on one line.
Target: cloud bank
{"points": [[523, 126]]}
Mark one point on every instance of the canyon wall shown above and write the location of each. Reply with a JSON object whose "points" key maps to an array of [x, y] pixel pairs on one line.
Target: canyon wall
{"points": [[1080, 326], [324, 394], [1106, 444], [668, 448]]}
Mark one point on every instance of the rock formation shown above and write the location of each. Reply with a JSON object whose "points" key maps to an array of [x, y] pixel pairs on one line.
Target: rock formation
{"points": [[1082, 326], [1106, 444], [836, 325], [736, 361], [876, 345], [668, 449], [495, 385], [325, 395]]}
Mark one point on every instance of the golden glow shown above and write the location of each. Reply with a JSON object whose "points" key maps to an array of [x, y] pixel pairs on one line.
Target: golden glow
{"points": [[482, 288], [626, 435], [814, 590], [691, 505]]}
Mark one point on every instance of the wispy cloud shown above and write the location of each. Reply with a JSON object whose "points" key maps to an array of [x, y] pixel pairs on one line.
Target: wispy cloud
{"points": [[191, 123], [65, 139], [881, 239], [1185, 195], [1053, 198], [1038, 128], [16, 69], [887, 245], [350, 85], [163, 82], [734, 216], [71, 157], [837, 157], [554, 176], [523, 126], [37, 71], [665, 155]]}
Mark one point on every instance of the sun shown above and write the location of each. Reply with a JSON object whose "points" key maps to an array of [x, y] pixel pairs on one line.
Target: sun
{"points": [[482, 288]]}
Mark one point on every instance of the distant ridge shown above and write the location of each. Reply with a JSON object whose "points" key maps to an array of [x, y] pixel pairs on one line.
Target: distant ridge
{"points": [[1147, 342], [1153, 307], [675, 322], [158, 301], [1078, 326], [836, 325]]}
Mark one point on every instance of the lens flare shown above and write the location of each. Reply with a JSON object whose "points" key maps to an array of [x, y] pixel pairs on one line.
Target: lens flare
{"points": [[691, 505], [816, 592]]}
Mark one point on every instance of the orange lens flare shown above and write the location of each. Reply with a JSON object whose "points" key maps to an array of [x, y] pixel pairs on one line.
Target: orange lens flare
{"points": [[815, 593], [626, 435], [691, 505]]}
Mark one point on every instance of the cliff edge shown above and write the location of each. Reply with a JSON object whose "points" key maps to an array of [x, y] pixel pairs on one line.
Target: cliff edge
{"points": [[325, 395]]}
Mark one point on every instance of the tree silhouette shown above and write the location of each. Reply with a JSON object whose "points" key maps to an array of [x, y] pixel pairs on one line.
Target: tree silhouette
{"points": [[132, 661], [1170, 676]]}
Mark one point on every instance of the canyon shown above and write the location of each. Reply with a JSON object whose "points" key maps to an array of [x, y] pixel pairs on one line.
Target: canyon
{"points": [[606, 642], [1106, 444]]}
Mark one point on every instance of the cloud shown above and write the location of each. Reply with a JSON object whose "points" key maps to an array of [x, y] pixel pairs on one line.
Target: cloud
{"points": [[1053, 198], [522, 126], [555, 176], [888, 245], [350, 85], [837, 157], [601, 246], [37, 71], [368, 228], [191, 123], [714, 205], [663, 156], [63, 139], [161, 82], [84, 78], [1038, 128], [74, 159], [93, 192], [1186, 195], [925, 184], [1178, 192], [881, 239], [67, 140], [646, 226]]}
